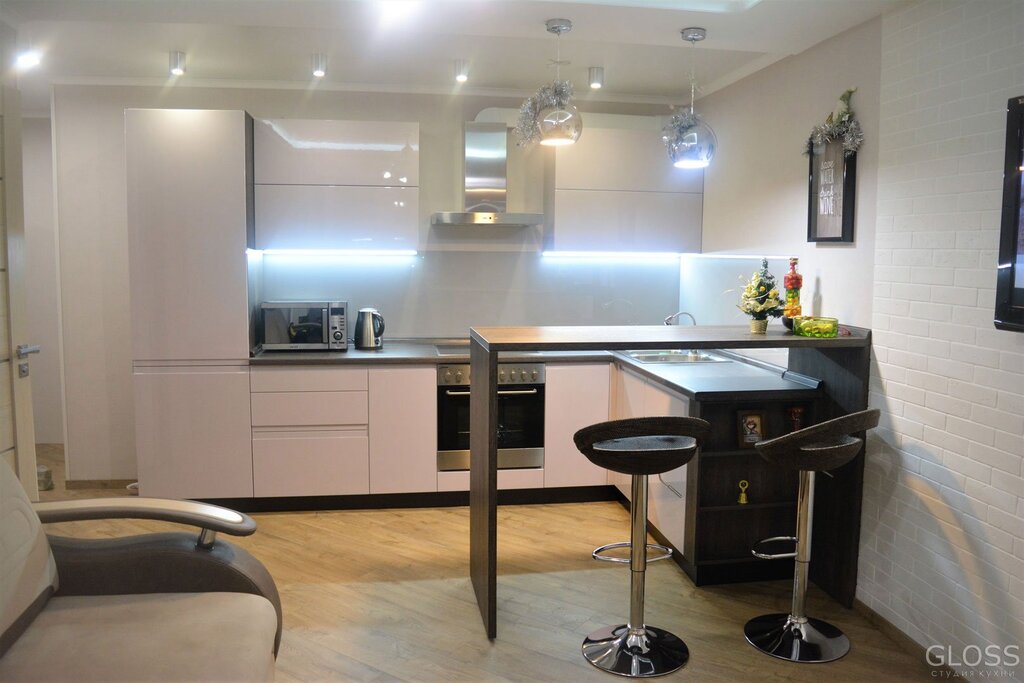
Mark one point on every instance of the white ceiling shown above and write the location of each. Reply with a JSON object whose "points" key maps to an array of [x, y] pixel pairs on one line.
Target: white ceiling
{"points": [[411, 45]]}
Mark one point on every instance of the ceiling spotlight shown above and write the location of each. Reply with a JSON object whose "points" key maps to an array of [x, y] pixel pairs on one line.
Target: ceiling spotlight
{"points": [[461, 70], [29, 59], [596, 77], [319, 65], [177, 62]]}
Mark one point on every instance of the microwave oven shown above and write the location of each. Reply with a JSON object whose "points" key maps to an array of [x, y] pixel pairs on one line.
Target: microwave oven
{"points": [[304, 325]]}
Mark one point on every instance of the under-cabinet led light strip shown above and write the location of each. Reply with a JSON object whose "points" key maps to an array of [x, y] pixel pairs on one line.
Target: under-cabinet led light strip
{"points": [[611, 256]]}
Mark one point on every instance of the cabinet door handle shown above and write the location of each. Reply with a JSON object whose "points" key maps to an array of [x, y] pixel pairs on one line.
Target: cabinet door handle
{"points": [[503, 392]]}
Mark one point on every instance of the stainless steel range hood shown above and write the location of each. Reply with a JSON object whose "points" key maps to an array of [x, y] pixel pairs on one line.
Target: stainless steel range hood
{"points": [[486, 186]]}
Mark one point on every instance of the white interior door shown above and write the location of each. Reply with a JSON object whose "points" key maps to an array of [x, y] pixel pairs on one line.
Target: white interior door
{"points": [[17, 433]]}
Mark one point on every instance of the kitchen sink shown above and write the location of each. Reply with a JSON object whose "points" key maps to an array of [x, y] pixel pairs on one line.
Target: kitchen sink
{"points": [[453, 349], [674, 356]]}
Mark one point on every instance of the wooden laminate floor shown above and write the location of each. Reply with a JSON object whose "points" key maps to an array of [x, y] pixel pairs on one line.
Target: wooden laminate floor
{"points": [[384, 595]]}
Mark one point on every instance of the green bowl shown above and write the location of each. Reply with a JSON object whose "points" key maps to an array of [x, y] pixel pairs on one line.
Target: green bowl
{"points": [[810, 326]]}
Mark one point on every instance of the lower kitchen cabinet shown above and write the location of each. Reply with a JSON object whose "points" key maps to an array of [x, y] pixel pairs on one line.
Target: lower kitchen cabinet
{"points": [[310, 462], [192, 431], [576, 395], [403, 429], [666, 501]]}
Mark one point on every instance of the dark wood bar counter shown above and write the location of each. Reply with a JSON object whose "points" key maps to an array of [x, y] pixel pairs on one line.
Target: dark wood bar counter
{"points": [[841, 363]]}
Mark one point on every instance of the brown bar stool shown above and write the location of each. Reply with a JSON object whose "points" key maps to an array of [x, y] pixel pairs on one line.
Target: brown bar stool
{"points": [[819, 448], [639, 447]]}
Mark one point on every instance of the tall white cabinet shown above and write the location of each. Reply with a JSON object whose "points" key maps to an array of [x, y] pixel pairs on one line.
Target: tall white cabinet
{"points": [[189, 201]]}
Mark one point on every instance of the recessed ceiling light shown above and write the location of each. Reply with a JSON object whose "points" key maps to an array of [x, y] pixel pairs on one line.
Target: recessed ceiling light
{"points": [[461, 71], [596, 77], [29, 59], [319, 65], [176, 62]]}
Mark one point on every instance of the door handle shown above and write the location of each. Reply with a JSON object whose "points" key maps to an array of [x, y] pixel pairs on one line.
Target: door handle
{"points": [[503, 392], [23, 350]]}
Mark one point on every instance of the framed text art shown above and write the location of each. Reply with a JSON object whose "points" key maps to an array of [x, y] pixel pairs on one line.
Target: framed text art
{"points": [[831, 197]]}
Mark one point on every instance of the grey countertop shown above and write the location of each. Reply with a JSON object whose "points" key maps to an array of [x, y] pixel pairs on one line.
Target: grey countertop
{"points": [[416, 353], [700, 381]]}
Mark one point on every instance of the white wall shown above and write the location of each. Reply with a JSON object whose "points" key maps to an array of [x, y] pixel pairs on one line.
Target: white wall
{"points": [[41, 273], [89, 139], [942, 541], [755, 191]]}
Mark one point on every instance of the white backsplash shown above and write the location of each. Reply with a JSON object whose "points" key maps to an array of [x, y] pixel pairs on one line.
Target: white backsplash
{"points": [[443, 294]]}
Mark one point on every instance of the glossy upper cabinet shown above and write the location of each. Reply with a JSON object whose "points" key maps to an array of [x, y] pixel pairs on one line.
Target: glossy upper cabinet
{"points": [[336, 184], [189, 192], [323, 152], [616, 190], [336, 217]]}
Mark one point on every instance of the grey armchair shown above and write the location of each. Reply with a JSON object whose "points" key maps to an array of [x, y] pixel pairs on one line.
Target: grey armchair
{"points": [[157, 607]]}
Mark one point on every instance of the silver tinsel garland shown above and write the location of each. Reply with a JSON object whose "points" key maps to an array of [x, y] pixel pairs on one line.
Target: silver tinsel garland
{"points": [[556, 94], [677, 128], [849, 132]]}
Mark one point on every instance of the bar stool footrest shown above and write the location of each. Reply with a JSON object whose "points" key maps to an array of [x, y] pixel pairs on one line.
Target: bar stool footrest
{"points": [[774, 556], [598, 554]]}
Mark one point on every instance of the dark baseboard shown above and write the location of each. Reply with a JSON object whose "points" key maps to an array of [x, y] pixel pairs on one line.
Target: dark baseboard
{"points": [[377, 501], [78, 484]]}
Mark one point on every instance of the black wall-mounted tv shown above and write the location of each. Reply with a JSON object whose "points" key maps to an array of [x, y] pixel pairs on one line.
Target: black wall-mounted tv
{"points": [[1010, 275]]}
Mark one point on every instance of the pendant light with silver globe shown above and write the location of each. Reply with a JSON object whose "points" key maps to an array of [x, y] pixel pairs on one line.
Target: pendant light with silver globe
{"points": [[548, 116], [560, 124], [691, 142]]}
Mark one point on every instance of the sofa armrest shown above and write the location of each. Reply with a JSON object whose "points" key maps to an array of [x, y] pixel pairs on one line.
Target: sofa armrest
{"points": [[202, 515], [159, 563]]}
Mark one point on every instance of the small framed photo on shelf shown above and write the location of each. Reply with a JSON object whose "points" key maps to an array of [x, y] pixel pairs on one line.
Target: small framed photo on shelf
{"points": [[749, 428]]}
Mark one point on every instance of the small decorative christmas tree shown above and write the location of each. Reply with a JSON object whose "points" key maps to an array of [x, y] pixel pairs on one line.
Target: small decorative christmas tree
{"points": [[760, 299]]}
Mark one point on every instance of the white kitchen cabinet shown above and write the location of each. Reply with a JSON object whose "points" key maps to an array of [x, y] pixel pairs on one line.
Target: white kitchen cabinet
{"points": [[622, 159], [189, 192], [327, 152], [576, 395], [310, 462], [403, 429], [336, 217], [192, 431], [309, 431], [636, 396], [586, 220], [616, 190], [308, 408]]}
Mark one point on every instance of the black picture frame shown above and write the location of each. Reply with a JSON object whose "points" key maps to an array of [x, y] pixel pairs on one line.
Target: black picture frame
{"points": [[1009, 310], [830, 216]]}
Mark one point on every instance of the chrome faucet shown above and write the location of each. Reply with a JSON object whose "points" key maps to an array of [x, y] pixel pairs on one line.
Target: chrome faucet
{"points": [[674, 318]]}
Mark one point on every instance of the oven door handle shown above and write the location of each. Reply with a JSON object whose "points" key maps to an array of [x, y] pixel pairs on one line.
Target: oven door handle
{"points": [[503, 392]]}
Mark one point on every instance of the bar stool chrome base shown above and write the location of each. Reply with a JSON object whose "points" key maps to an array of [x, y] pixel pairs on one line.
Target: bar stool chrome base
{"points": [[806, 640], [645, 653]]}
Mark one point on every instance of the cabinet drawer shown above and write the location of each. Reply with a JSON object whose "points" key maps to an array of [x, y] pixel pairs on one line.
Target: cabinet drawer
{"points": [[308, 378], [302, 408], [313, 463]]}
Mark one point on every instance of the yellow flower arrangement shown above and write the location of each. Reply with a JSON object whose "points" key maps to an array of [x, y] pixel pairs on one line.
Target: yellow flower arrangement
{"points": [[760, 299]]}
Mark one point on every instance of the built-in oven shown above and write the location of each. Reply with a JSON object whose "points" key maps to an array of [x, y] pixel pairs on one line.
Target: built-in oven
{"points": [[520, 427]]}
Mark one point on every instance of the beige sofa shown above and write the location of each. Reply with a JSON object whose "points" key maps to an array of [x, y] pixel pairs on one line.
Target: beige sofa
{"points": [[157, 607]]}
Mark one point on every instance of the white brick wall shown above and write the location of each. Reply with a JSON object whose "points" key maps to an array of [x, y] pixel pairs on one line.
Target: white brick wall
{"points": [[942, 544]]}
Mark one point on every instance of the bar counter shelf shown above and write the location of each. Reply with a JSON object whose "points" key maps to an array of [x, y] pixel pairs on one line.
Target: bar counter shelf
{"points": [[840, 363]]}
